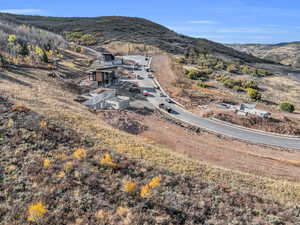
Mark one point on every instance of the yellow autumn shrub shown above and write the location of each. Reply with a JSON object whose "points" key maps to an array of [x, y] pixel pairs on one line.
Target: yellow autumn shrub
{"points": [[46, 163], [79, 153], [36, 211], [145, 191], [129, 187], [147, 188], [61, 174], [108, 161], [155, 182]]}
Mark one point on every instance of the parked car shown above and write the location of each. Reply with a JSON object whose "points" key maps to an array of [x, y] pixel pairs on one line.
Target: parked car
{"points": [[146, 93], [134, 90], [162, 95], [165, 107], [139, 77], [168, 100], [150, 76]]}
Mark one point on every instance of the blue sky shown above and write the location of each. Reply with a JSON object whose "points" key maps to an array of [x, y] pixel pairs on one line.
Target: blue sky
{"points": [[227, 21]]}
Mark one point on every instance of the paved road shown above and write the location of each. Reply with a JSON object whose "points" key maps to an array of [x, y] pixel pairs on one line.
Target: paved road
{"points": [[208, 124]]}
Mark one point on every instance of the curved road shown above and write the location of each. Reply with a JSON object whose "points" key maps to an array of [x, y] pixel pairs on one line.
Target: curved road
{"points": [[256, 137]]}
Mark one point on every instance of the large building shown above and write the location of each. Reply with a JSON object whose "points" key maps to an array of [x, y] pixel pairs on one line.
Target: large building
{"points": [[103, 77]]}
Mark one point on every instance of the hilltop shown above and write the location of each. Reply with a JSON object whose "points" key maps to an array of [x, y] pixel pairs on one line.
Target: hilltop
{"points": [[110, 29], [284, 53]]}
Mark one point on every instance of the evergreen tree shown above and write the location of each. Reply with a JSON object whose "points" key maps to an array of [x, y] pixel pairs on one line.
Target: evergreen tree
{"points": [[24, 51], [45, 57]]}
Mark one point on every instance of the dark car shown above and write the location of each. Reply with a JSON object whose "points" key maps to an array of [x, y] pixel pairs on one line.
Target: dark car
{"points": [[168, 100], [165, 107], [134, 90]]}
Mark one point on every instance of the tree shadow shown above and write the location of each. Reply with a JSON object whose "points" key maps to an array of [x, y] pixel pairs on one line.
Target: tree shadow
{"points": [[23, 73], [14, 80]]}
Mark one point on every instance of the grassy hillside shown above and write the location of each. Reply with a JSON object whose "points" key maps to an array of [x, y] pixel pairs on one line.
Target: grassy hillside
{"points": [[128, 29], [285, 53], [61, 177]]}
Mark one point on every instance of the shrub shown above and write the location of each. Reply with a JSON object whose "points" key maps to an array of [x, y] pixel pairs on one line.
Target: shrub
{"points": [[36, 211], [253, 94], [11, 39], [199, 74], [230, 83], [201, 84], [68, 165], [193, 75], [45, 57], [219, 66], [88, 39], [77, 49], [231, 68], [129, 187], [155, 182], [237, 88], [288, 107], [249, 84], [145, 191], [263, 72], [43, 124], [79, 153], [61, 174], [46, 163], [246, 69], [108, 161]]}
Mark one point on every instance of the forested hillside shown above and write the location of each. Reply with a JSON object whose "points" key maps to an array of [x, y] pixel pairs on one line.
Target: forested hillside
{"points": [[24, 44]]}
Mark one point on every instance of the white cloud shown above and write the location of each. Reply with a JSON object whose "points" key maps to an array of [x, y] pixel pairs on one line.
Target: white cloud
{"points": [[204, 22], [252, 30], [21, 11]]}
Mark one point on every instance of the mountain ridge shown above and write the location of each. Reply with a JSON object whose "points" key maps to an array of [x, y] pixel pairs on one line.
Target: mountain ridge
{"points": [[286, 53], [130, 29]]}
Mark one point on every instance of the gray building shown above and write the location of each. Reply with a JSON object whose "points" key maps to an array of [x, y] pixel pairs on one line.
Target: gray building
{"points": [[106, 100]]}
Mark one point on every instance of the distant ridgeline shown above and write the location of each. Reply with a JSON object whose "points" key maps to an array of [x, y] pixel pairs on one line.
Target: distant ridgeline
{"points": [[103, 30]]}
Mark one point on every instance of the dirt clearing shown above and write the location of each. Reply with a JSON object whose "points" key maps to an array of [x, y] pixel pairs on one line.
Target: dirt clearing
{"points": [[224, 152]]}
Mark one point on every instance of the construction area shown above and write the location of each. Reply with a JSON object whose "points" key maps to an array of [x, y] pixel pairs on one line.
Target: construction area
{"points": [[120, 103]]}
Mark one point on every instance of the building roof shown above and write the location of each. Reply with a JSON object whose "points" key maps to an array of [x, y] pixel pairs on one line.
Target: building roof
{"points": [[106, 53], [105, 71], [96, 98], [119, 99]]}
